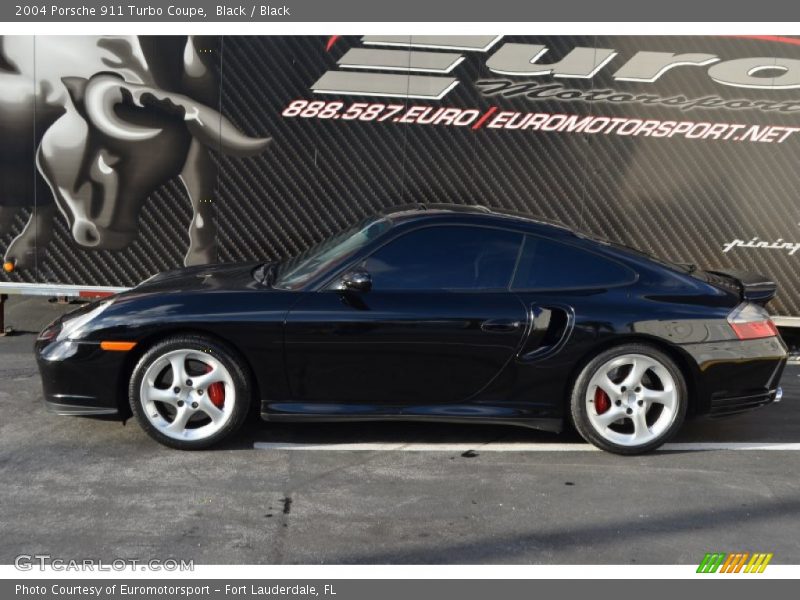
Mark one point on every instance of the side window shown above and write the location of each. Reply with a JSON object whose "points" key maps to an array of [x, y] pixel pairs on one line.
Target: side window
{"points": [[549, 265], [446, 258]]}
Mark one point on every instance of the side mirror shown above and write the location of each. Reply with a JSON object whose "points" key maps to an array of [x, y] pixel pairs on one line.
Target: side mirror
{"points": [[358, 280]]}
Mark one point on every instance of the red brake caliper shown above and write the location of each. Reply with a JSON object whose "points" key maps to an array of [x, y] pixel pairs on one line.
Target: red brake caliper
{"points": [[216, 392], [601, 401]]}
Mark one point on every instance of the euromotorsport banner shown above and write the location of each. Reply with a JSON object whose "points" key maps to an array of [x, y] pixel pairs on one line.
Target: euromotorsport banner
{"points": [[558, 112]]}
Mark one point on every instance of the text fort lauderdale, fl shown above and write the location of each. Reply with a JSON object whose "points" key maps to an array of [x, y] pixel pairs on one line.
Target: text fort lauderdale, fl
{"points": [[278, 590]]}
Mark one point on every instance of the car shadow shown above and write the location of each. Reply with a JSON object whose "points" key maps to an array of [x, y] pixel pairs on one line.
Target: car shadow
{"points": [[394, 432]]}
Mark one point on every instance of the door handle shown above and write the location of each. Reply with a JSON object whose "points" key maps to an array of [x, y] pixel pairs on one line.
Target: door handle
{"points": [[500, 325]]}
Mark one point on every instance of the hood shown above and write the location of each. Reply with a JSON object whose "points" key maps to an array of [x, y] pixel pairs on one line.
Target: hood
{"points": [[227, 276]]}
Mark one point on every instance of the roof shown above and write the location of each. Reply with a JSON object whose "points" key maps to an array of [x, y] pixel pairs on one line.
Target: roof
{"points": [[412, 211]]}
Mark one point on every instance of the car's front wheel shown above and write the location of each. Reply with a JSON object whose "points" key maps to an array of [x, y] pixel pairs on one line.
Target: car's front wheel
{"points": [[189, 392], [629, 399]]}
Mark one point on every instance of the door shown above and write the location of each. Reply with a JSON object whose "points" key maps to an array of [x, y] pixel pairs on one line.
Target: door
{"points": [[436, 327]]}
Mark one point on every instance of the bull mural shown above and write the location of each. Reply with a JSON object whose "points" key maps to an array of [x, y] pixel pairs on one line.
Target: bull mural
{"points": [[108, 120]]}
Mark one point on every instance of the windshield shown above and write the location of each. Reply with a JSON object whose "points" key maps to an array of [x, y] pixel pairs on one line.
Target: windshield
{"points": [[297, 271]]}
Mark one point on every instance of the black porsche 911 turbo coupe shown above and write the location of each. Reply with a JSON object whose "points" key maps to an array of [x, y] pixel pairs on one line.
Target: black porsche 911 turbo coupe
{"points": [[425, 313]]}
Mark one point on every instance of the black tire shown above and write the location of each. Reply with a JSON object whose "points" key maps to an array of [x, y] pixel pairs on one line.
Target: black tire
{"points": [[578, 399], [225, 356]]}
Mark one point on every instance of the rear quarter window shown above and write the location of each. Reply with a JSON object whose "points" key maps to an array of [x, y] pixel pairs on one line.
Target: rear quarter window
{"points": [[549, 265]]}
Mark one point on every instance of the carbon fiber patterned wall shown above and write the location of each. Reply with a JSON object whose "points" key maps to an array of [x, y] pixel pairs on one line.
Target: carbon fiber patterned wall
{"points": [[684, 197]]}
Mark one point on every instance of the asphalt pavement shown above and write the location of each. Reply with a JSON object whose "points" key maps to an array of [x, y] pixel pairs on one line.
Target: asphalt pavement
{"points": [[81, 488]]}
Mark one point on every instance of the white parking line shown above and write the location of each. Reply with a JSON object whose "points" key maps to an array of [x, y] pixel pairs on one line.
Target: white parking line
{"points": [[515, 447]]}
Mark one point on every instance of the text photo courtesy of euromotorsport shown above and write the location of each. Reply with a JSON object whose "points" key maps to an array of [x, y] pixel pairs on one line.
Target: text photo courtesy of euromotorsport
{"points": [[170, 590], [152, 11]]}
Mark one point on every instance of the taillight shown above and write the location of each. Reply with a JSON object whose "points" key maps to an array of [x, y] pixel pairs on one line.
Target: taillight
{"points": [[750, 322], [751, 331]]}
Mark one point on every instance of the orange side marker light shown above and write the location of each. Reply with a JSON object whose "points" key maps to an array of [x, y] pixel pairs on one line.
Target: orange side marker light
{"points": [[117, 346], [8, 266]]}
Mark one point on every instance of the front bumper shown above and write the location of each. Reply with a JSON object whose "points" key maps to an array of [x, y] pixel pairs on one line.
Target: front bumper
{"points": [[79, 378]]}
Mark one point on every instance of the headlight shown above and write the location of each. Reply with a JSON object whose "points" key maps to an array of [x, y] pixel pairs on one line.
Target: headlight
{"points": [[50, 332], [71, 327]]}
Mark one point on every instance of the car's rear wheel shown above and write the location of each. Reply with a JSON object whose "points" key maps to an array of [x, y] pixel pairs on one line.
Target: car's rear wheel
{"points": [[189, 392], [629, 399]]}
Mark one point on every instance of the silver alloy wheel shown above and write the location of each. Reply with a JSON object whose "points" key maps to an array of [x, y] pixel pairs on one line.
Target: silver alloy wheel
{"points": [[642, 400], [176, 398]]}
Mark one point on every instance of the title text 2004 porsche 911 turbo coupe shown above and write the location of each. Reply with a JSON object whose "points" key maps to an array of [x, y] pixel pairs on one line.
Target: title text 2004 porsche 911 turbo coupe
{"points": [[426, 313]]}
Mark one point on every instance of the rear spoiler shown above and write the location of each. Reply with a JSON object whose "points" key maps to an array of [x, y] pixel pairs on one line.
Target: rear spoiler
{"points": [[751, 287]]}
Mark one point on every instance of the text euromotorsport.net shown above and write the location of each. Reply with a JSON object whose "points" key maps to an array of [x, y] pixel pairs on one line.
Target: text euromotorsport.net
{"points": [[639, 127]]}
